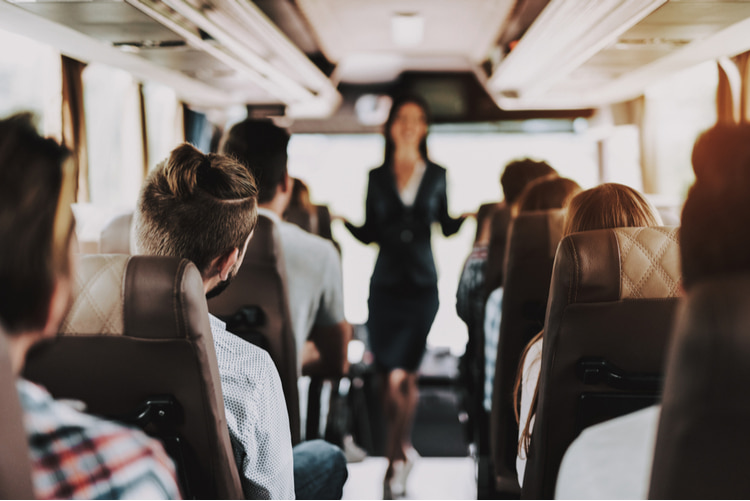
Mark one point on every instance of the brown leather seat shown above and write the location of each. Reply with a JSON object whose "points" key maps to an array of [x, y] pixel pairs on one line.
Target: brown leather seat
{"points": [[484, 214], [496, 251], [703, 436], [15, 458], [137, 341], [533, 239], [115, 237], [256, 307], [612, 301]]}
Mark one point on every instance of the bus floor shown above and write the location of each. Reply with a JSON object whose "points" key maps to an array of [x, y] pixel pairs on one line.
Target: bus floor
{"points": [[446, 470]]}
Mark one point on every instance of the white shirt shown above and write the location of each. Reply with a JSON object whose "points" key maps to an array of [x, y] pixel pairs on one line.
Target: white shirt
{"points": [[532, 366], [314, 283], [611, 460], [256, 416], [409, 193]]}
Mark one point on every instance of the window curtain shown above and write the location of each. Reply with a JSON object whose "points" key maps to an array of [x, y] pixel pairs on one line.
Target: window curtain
{"points": [[74, 123], [727, 92], [743, 66]]}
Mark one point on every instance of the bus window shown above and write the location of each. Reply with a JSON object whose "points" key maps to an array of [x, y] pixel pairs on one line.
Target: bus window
{"points": [[114, 136], [678, 108], [165, 128], [30, 80]]}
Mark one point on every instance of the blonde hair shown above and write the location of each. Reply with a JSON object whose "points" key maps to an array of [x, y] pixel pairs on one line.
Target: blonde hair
{"points": [[196, 206], [608, 205]]}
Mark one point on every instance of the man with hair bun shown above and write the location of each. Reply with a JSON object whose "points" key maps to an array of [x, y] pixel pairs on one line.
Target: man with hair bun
{"points": [[204, 208]]}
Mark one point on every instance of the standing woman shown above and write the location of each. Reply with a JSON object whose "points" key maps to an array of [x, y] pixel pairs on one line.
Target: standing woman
{"points": [[405, 196]]}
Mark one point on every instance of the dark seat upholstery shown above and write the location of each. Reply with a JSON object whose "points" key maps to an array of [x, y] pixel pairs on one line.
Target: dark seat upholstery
{"points": [[496, 251], [138, 331], [256, 307], [484, 216], [612, 300], [703, 436], [15, 459], [533, 239], [115, 237]]}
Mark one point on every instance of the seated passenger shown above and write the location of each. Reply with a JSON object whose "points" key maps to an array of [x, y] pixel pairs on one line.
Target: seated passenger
{"points": [[300, 210], [477, 275], [543, 193], [613, 459], [313, 266], [204, 208], [608, 205], [73, 455]]}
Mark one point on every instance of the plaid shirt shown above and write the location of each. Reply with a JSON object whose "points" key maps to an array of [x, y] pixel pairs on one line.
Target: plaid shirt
{"points": [[76, 455], [492, 316]]}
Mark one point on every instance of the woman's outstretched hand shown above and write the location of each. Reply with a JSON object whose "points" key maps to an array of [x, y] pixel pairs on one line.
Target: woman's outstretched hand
{"points": [[337, 217]]}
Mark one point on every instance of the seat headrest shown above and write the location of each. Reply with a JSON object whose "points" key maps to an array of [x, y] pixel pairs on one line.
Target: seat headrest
{"points": [[537, 231], [265, 242], [620, 263], [116, 237], [702, 440], [137, 296]]}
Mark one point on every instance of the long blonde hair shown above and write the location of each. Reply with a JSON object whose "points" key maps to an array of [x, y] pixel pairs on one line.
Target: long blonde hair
{"points": [[608, 205]]}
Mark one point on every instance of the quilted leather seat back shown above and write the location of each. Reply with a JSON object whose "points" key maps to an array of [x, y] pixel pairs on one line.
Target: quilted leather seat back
{"points": [[702, 439], [532, 241], [612, 301], [137, 329], [261, 282], [15, 459], [115, 238]]}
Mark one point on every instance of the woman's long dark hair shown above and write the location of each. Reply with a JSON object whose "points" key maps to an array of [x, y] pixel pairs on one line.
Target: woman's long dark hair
{"points": [[398, 102]]}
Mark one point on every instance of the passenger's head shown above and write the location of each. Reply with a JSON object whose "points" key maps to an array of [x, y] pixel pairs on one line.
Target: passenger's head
{"points": [[407, 125], [300, 195], [261, 147], [547, 193], [36, 229], [518, 173], [714, 240], [197, 207], [609, 205]]}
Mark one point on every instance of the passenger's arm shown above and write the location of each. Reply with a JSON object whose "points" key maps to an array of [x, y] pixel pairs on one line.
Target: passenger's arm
{"points": [[330, 333], [259, 428]]}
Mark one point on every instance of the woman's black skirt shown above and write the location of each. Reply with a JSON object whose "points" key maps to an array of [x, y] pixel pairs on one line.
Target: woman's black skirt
{"points": [[399, 321]]}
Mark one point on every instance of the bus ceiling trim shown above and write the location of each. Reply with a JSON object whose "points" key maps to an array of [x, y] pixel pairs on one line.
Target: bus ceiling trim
{"points": [[566, 34], [245, 40], [79, 46]]}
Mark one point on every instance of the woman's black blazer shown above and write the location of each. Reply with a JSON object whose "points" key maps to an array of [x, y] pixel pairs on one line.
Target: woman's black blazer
{"points": [[403, 233]]}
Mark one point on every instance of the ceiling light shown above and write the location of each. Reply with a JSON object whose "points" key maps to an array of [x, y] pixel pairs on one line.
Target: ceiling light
{"points": [[565, 35], [407, 29]]}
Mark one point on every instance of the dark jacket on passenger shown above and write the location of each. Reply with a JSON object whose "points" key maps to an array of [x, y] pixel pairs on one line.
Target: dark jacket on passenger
{"points": [[403, 233]]}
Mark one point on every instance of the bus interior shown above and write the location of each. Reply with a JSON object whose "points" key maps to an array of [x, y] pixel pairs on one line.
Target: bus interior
{"points": [[605, 91]]}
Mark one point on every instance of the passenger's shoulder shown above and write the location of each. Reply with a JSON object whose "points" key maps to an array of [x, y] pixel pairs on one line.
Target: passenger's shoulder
{"points": [[309, 242]]}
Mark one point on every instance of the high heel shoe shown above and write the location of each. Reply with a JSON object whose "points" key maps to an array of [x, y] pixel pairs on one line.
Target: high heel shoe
{"points": [[394, 486]]}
